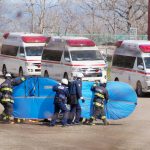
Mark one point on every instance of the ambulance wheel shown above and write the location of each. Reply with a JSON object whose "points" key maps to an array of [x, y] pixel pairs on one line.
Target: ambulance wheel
{"points": [[4, 70], [116, 79], [66, 75], [139, 89], [20, 72], [46, 74]]}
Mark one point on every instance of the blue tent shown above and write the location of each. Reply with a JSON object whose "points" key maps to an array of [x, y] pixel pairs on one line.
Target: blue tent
{"points": [[34, 99]]}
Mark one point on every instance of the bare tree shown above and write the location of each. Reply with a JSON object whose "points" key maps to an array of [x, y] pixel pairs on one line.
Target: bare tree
{"points": [[80, 17], [38, 10], [129, 12], [115, 16], [69, 17]]}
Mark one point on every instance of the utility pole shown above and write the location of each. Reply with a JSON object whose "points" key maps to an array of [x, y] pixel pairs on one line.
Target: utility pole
{"points": [[148, 19]]}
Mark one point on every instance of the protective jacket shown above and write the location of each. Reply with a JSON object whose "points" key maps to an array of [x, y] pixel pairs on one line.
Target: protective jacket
{"points": [[100, 94], [62, 93], [75, 90], [6, 89]]}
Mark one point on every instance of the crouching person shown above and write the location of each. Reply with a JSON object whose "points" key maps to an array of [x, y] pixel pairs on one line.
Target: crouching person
{"points": [[100, 96], [60, 102], [6, 90]]}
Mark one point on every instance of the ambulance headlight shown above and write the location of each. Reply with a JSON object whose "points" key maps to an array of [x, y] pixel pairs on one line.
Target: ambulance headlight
{"points": [[29, 64], [76, 69]]}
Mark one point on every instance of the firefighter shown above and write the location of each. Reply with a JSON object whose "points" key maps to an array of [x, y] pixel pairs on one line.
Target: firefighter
{"points": [[6, 89], [60, 102], [100, 96], [75, 90]]}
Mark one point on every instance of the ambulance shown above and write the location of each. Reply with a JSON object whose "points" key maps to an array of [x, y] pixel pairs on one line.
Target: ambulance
{"points": [[131, 64], [20, 53], [63, 56]]}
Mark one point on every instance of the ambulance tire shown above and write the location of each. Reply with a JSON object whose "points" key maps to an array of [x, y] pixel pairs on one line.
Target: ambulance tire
{"points": [[46, 74], [139, 89], [20, 72], [66, 75], [4, 70], [116, 79]]}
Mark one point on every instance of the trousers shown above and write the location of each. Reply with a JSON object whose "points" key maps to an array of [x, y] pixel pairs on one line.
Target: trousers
{"points": [[75, 113], [60, 106], [8, 110]]}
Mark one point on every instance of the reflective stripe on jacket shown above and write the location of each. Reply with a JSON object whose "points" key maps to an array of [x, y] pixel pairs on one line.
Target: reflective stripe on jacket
{"points": [[6, 89], [7, 100], [100, 95]]}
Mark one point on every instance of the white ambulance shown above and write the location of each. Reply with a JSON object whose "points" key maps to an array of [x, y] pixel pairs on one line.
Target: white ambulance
{"points": [[131, 64], [65, 55], [20, 53]]}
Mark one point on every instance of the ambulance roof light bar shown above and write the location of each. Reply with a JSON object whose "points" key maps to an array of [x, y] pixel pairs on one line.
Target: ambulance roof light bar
{"points": [[145, 48], [118, 43], [5, 35], [80, 42], [34, 39]]}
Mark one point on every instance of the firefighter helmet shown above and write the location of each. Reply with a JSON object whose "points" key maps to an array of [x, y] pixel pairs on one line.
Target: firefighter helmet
{"points": [[64, 81], [103, 81], [78, 75], [8, 75]]}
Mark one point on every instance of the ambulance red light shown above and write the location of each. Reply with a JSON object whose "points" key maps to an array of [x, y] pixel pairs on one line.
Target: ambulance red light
{"points": [[80, 42], [145, 48], [6, 35], [34, 39], [39, 65], [118, 43]]}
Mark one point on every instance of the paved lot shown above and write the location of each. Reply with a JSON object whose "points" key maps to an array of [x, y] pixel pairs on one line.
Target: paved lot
{"points": [[132, 133]]}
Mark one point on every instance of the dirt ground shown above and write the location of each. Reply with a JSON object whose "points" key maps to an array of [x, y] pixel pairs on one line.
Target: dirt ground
{"points": [[132, 133]]}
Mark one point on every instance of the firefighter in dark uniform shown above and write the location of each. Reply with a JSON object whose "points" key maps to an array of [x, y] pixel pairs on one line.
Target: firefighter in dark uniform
{"points": [[60, 102], [100, 96], [6, 89], [75, 90]]}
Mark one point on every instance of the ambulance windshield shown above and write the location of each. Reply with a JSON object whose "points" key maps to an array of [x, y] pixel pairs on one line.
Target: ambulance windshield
{"points": [[86, 55], [34, 51], [147, 62]]}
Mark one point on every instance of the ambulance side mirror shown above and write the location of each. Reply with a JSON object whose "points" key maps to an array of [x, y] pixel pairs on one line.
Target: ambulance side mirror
{"points": [[140, 67]]}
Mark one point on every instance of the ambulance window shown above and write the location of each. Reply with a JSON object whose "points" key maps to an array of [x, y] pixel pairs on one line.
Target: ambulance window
{"points": [[86, 55], [34, 51], [139, 61], [53, 55], [123, 61], [147, 62], [66, 56], [129, 62], [22, 51], [9, 50]]}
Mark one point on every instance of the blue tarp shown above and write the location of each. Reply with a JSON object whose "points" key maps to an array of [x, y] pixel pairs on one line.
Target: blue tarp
{"points": [[34, 99], [122, 101]]}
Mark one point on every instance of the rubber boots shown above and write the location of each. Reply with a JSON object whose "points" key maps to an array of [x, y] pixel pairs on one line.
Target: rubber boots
{"points": [[105, 122]]}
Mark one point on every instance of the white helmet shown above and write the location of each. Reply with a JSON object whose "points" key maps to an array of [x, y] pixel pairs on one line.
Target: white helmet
{"points": [[8, 75], [78, 74], [103, 81], [64, 81]]}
